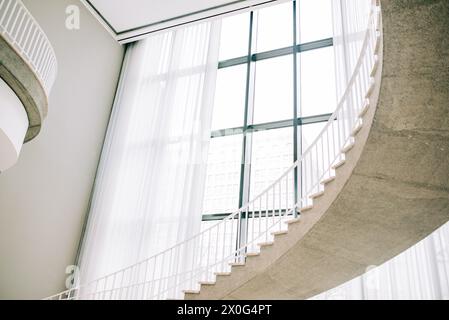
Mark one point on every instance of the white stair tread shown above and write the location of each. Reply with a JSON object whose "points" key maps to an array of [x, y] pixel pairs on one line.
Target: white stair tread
{"points": [[265, 244], [375, 66], [295, 220], [306, 208], [317, 195], [356, 129], [253, 254], [237, 264], [191, 291], [339, 164], [280, 232], [328, 180], [364, 109], [348, 147], [372, 84]]}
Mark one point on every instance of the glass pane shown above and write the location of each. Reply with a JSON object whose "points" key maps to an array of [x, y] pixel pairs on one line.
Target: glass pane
{"points": [[272, 155], [229, 107], [234, 36], [315, 20], [223, 175], [317, 84], [275, 27], [309, 133], [315, 161], [273, 90], [219, 241]]}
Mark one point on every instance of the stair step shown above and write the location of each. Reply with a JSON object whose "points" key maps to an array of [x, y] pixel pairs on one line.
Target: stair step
{"points": [[338, 164], [207, 283], [356, 129], [375, 66], [377, 19], [306, 208], [253, 254], [295, 220], [222, 274], [377, 46], [191, 291], [265, 244], [317, 195], [364, 109], [372, 84], [278, 233], [237, 264], [328, 180], [348, 147]]}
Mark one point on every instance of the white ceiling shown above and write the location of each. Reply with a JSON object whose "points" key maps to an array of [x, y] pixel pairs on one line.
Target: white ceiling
{"points": [[132, 19], [137, 13]]}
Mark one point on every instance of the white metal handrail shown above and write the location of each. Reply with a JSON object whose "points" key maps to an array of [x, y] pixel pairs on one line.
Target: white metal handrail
{"points": [[23, 33], [168, 273]]}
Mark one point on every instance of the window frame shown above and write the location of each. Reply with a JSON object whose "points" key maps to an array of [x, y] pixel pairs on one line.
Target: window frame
{"points": [[248, 127]]}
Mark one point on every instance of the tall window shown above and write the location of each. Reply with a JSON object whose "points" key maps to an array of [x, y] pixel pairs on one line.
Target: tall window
{"points": [[275, 91]]}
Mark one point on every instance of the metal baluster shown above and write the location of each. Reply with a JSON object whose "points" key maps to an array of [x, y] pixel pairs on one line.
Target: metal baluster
{"points": [[266, 216], [11, 14], [161, 275], [14, 25], [192, 275], [113, 285], [280, 206], [216, 247], [152, 282], [224, 243], [286, 197], [312, 182], [170, 270], [25, 31], [208, 254], [260, 219], [273, 219]]}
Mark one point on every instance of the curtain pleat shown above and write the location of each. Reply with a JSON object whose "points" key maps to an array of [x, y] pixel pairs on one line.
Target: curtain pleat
{"points": [[149, 187]]}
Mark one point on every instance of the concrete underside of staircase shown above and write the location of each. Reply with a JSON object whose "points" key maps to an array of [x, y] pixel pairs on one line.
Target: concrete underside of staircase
{"points": [[393, 189], [19, 75]]}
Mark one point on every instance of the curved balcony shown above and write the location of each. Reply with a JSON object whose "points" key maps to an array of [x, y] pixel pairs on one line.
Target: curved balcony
{"points": [[27, 66]]}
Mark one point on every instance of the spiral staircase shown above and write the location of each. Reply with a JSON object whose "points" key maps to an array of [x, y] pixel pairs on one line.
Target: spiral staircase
{"points": [[373, 183], [28, 69]]}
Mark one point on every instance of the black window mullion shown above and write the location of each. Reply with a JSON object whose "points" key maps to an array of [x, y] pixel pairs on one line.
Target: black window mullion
{"points": [[295, 108], [247, 139], [323, 43], [248, 127]]}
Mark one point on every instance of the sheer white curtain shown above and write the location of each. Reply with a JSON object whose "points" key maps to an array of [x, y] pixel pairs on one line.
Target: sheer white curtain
{"points": [[421, 272], [149, 187], [350, 21]]}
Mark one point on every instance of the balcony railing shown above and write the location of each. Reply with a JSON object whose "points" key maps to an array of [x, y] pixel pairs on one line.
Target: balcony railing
{"points": [[23, 33]]}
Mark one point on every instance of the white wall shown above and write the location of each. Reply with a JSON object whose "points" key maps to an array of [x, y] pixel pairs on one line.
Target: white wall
{"points": [[44, 198]]}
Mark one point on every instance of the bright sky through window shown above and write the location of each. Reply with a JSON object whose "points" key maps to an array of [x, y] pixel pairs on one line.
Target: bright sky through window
{"points": [[260, 88]]}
